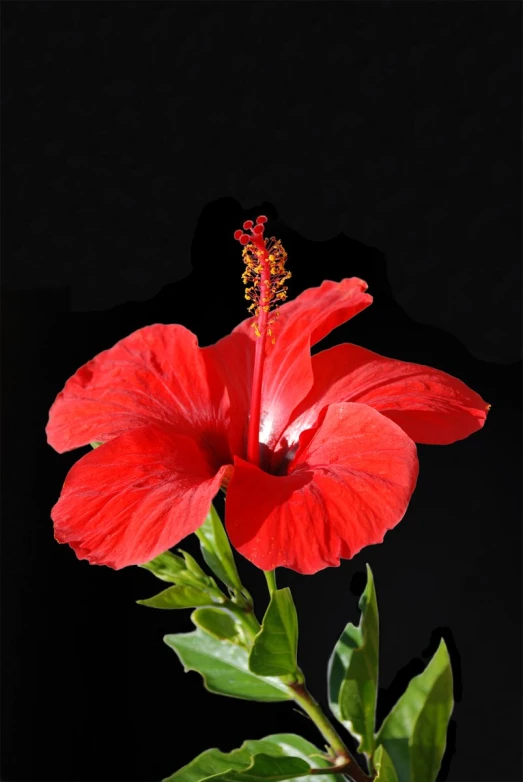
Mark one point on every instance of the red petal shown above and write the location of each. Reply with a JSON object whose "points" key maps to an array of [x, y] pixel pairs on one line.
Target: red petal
{"points": [[430, 406], [158, 373], [135, 497], [288, 376], [350, 481]]}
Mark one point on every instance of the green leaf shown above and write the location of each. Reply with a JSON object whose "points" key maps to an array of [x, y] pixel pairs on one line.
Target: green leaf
{"points": [[275, 647], [218, 622], [167, 567], [279, 757], [184, 572], [265, 767], [217, 552], [96, 444], [194, 568], [224, 667], [178, 597], [353, 672], [383, 765], [414, 733]]}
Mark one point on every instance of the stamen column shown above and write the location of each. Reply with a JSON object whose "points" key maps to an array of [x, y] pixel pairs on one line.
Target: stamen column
{"points": [[253, 440], [262, 306]]}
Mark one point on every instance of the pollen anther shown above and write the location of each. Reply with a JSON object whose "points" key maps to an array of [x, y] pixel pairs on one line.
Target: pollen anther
{"points": [[265, 274]]}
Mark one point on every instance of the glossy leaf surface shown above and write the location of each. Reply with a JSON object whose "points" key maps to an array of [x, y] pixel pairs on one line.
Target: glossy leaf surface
{"points": [[216, 621], [170, 567], [278, 757], [353, 671], [275, 647], [224, 667], [178, 597], [414, 732], [383, 765], [217, 551]]}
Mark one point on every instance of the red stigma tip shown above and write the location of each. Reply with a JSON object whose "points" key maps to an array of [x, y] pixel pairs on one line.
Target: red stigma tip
{"points": [[258, 229], [244, 239], [261, 219], [248, 224], [237, 234]]}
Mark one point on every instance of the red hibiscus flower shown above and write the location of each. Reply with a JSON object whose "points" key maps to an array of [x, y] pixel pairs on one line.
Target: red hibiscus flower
{"points": [[317, 454]]}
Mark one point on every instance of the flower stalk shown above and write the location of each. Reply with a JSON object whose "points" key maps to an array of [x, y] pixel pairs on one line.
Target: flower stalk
{"points": [[270, 577]]}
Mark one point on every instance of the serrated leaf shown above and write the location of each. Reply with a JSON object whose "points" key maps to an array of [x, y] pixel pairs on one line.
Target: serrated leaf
{"points": [[353, 672], [274, 650], [383, 765], [224, 667], [178, 597], [414, 732], [279, 757], [217, 552], [218, 622]]}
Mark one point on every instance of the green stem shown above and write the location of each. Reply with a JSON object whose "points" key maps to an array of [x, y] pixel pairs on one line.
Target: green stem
{"points": [[302, 696], [315, 712], [270, 576]]}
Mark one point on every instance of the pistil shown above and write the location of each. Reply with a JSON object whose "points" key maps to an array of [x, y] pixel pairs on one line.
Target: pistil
{"points": [[253, 439], [265, 275]]}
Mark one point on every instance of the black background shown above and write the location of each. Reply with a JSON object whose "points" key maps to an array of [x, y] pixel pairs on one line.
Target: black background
{"points": [[383, 141]]}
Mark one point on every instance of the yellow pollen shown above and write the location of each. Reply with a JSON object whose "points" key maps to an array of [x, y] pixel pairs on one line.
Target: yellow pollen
{"points": [[266, 294]]}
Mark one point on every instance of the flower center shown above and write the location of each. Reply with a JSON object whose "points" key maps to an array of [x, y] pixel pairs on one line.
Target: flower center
{"points": [[264, 277]]}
